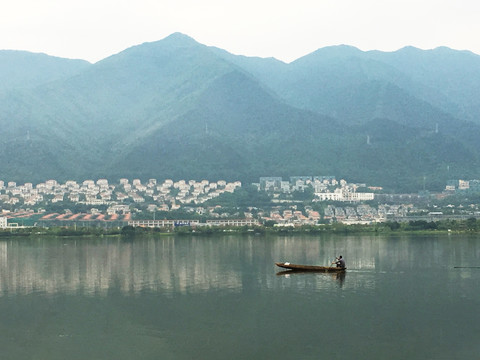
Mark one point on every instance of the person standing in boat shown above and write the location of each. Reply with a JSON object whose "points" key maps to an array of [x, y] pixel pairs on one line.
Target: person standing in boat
{"points": [[340, 262]]}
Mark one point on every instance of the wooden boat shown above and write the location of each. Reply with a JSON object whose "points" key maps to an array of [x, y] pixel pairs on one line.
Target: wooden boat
{"points": [[296, 267]]}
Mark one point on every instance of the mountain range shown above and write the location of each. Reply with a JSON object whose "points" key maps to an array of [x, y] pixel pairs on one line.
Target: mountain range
{"points": [[178, 109]]}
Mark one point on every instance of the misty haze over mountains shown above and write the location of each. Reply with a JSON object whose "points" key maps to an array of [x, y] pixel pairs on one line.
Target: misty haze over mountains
{"points": [[178, 109]]}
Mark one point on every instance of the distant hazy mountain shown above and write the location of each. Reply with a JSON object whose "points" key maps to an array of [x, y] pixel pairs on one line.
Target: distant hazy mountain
{"points": [[450, 78], [21, 69], [178, 109], [356, 86]]}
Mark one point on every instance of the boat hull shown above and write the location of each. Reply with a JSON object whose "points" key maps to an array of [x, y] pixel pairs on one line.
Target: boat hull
{"points": [[296, 267]]}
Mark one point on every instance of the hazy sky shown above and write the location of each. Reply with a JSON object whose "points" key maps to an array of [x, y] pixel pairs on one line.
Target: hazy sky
{"points": [[287, 30]]}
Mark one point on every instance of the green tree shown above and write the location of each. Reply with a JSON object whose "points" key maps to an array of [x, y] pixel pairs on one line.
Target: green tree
{"points": [[471, 224]]}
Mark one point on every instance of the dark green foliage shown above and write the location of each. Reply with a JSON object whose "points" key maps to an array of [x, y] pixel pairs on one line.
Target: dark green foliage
{"points": [[269, 223], [128, 231], [306, 195], [393, 225], [83, 231], [472, 224], [242, 198], [421, 225]]}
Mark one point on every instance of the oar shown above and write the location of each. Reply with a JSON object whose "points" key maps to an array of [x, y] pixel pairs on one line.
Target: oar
{"points": [[466, 267]]}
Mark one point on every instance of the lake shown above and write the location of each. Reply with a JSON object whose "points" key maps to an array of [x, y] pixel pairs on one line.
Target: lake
{"points": [[222, 297]]}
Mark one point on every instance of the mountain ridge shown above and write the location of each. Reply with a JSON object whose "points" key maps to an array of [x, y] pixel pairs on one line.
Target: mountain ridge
{"points": [[175, 108]]}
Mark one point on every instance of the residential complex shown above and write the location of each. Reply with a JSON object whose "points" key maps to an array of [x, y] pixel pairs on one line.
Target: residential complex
{"points": [[137, 203]]}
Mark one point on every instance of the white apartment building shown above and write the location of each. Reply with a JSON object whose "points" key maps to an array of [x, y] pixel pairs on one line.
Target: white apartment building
{"points": [[344, 195]]}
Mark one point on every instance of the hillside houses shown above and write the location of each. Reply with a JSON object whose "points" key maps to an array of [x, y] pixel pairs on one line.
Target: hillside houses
{"points": [[168, 195], [300, 200], [325, 188], [118, 200]]}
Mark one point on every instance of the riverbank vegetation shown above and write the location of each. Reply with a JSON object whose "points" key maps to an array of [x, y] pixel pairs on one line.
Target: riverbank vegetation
{"points": [[471, 225]]}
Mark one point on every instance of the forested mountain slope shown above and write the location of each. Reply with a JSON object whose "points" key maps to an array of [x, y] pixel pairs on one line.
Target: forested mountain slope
{"points": [[178, 109]]}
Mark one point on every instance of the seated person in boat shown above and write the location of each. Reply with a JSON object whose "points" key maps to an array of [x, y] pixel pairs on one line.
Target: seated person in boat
{"points": [[340, 262]]}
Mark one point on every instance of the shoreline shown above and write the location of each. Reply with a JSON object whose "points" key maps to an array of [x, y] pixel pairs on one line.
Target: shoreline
{"points": [[460, 227]]}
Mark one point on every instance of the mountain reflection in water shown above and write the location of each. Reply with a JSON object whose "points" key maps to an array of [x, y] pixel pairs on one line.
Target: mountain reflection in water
{"points": [[95, 267], [180, 265], [220, 298]]}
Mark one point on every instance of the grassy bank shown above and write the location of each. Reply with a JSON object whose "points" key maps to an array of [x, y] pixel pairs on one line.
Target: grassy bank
{"points": [[420, 226]]}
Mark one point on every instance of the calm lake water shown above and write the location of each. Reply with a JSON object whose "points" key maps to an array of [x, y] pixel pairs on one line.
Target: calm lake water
{"points": [[223, 298]]}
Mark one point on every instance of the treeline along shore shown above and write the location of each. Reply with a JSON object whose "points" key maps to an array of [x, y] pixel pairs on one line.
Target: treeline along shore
{"points": [[471, 225]]}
